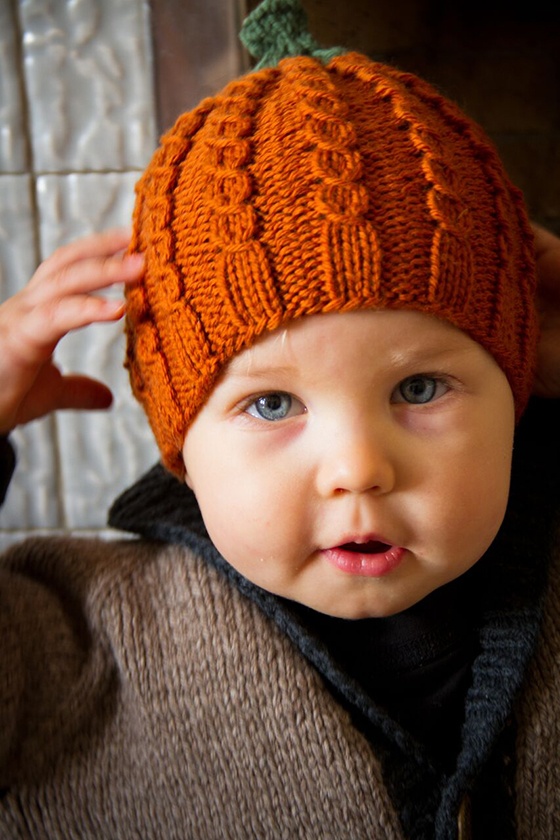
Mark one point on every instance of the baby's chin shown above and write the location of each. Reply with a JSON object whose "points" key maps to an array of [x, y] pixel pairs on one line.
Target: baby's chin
{"points": [[355, 609], [384, 603]]}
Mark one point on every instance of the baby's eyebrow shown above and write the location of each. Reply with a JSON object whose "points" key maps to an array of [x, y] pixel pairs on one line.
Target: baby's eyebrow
{"points": [[429, 355], [255, 370]]}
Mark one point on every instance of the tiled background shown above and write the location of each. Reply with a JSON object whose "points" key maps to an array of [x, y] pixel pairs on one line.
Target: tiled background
{"points": [[87, 85], [78, 122]]}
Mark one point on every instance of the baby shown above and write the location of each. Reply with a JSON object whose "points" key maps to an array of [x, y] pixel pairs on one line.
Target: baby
{"points": [[339, 621], [338, 460]]}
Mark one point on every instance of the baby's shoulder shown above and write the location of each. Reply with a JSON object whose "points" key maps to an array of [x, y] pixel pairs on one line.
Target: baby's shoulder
{"points": [[105, 570]]}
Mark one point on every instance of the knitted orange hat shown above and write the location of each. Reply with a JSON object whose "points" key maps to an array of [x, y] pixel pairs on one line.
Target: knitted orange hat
{"points": [[325, 183]]}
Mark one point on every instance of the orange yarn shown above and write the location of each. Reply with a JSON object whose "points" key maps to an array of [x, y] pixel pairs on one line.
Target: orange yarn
{"points": [[308, 188]]}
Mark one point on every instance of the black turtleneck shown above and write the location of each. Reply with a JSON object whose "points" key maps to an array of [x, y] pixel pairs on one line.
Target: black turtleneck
{"points": [[415, 664]]}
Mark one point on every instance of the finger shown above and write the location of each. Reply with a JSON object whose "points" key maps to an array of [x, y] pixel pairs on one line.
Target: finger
{"points": [[72, 391], [547, 252], [545, 240], [97, 245], [548, 275], [83, 393], [53, 391], [44, 327], [86, 276], [40, 328]]}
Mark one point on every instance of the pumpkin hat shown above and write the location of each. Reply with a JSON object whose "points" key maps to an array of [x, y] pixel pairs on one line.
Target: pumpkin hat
{"points": [[322, 181]]}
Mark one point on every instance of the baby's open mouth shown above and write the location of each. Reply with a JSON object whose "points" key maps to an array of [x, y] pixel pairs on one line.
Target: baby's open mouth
{"points": [[369, 547], [370, 558]]}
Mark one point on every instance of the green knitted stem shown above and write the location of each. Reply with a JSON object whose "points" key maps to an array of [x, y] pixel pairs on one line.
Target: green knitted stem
{"points": [[277, 29]]}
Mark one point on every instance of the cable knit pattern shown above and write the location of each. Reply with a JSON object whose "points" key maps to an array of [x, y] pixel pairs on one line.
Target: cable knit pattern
{"points": [[154, 302], [351, 257], [243, 277]]}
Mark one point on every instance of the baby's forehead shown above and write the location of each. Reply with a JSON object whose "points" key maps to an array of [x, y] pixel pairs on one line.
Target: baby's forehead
{"points": [[408, 335], [271, 348]]}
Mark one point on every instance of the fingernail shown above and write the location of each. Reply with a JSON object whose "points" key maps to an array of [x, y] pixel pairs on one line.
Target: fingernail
{"points": [[135, 260], [115, 308]]}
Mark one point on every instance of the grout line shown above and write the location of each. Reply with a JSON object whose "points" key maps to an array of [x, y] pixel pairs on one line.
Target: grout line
{"points": [[66, 172], [150, 35], [241, 11], [26, 112], [57, 456]]}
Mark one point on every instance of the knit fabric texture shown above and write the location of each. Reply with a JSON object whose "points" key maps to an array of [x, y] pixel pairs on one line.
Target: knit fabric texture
{"points": [[277, 29], [319, 185]]}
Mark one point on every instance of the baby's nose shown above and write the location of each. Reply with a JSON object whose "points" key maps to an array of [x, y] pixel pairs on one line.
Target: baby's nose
{"points": [[357, 462]]}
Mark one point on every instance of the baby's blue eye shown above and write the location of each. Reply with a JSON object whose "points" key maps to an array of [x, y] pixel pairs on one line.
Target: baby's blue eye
{"points": [[418, 389], [271, 407]]}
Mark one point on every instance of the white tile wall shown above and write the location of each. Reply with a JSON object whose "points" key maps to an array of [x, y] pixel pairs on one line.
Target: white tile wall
{"points": [[34, 498], [18, 239], [13, 141], [88, 77], [100, 453], [77, 124], [78, 203]]}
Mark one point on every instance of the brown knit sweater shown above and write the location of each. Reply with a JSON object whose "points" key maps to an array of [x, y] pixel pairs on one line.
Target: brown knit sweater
{"points": [[142, 696]]}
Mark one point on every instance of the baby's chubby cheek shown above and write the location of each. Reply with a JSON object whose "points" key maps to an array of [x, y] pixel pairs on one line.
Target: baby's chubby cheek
{"points": [[254, 518], [240, 526], [225, 509]]}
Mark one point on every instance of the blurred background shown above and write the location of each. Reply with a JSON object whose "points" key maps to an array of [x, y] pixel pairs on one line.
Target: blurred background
{"points": [[87, 87]]}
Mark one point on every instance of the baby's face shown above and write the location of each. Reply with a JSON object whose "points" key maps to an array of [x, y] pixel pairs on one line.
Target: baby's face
{"points": [[355, 462]]}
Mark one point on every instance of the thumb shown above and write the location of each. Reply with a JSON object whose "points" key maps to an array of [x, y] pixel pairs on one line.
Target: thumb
{"points": [[81, 392]]}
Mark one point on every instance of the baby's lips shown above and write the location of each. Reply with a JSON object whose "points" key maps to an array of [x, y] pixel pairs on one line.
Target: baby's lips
{"points": [[370, 558]]}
